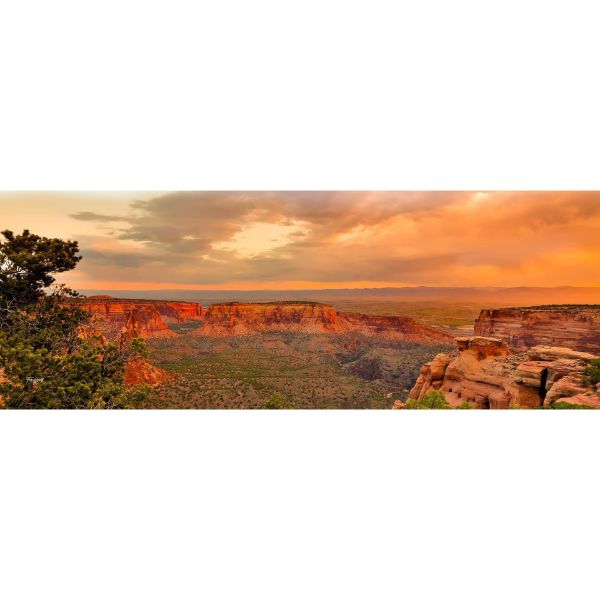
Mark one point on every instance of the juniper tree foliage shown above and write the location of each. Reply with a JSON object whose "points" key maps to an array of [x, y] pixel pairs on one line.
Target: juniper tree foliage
{"points": [[44, 360], [434, 399]]}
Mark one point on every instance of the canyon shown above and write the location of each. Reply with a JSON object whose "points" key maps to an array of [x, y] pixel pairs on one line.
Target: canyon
{"points": [[517, 358], [180, 331], [151, 318], [572, 326]]}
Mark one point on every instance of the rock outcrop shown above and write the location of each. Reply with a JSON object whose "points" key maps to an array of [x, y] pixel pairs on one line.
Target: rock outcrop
{"points": [[139, 370], [572, 326], [150, 318], [180, 312], [236, 318], [130, 319], [137, 318], [485, 373]]}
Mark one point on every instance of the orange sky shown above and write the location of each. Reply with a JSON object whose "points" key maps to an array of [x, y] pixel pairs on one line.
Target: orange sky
{"points": [[311, 240]]}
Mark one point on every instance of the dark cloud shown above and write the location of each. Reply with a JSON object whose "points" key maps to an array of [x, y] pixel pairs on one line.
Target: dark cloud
{"points": [[422, 237], [92, 216]]}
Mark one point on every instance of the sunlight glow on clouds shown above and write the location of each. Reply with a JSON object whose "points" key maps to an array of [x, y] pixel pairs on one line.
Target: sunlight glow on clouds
{"points": [[259, 238], [299, 240]]}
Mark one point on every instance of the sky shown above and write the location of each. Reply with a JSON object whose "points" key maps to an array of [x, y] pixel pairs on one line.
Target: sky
{"points": [[312, 240]]}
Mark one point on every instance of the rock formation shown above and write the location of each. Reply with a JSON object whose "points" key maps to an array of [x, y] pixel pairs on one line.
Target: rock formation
{"points": [[127, 318], [150, 318], [572, 326], [236, 318], [485, 373], [139, 370], [180, 312], [137, 318]]}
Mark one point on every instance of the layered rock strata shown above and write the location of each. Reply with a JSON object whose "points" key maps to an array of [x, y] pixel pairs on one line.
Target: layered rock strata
{"points": [[138, 318], [571, 326], [485, 373], [236, 318]]}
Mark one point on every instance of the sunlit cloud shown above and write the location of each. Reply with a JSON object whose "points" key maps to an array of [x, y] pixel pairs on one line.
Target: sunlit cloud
{"points": [[251, 240]]}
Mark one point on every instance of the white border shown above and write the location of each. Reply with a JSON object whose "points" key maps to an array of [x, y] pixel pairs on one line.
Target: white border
{"points": [[314, 95]]}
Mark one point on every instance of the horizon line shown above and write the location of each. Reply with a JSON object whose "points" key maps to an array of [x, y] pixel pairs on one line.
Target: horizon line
{"points": [[415, 287]]}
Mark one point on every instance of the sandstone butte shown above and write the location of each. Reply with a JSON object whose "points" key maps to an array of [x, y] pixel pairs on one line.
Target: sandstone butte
{"points": [[138, 318], [485, 373], [237, 318], [570, 326]]}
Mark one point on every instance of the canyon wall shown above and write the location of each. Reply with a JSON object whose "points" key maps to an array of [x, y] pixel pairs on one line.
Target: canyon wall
{"points": [[394, 328], [150, 318], [236, 318], [129, 319], [485, 373], [180, 312], [571, 326], [137, 318]]}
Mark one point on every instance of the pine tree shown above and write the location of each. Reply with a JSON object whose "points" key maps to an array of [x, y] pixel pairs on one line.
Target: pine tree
{"points": [[45, 361]]}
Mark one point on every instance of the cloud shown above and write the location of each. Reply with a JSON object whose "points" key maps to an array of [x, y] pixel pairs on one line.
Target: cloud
{"points": [[92, 216], [435, 238]]}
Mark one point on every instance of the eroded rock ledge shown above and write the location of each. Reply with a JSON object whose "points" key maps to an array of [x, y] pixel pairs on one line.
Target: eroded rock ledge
{"points": [[571, 326], [485, 373]]}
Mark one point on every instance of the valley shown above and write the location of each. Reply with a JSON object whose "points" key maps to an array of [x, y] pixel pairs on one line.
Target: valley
{"points": [[297, 354]]}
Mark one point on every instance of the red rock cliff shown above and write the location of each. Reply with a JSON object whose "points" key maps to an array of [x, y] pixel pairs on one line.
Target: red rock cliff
{"points": [[130, 318], [139, 370], [572, 326], [179, 312], [236, 318], [485, 373], [393, 328], [138, 318]]}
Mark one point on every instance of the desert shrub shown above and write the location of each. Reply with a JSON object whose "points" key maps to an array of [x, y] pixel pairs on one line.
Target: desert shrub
{"points": [[591, 375], [368, 368], [277, 401], [562, 405], [465, 405], [431, 400]]}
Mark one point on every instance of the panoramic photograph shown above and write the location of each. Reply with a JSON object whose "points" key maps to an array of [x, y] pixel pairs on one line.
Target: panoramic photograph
{"points": [[300, 300]]}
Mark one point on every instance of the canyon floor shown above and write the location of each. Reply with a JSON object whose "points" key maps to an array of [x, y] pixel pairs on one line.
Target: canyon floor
{"points": [[284, 370]]}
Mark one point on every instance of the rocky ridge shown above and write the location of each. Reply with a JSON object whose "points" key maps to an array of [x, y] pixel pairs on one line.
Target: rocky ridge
{"points": [[236, 318], [571, 326], [485, 372], [138, 318]]}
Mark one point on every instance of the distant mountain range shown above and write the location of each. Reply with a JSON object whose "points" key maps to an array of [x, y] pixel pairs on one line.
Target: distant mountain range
{"points": [[488, 296]]}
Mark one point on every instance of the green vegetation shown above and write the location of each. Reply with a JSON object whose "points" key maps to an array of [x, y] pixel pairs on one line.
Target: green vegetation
{"points": [[44, 360], [431, 400], [277, 401], [561, 405], [465, 405], [591, 375], [309, 371]]}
